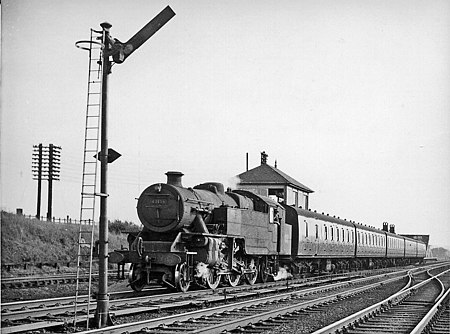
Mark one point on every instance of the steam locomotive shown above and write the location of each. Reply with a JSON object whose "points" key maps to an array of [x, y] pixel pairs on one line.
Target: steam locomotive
{"points": [[208, 236]]}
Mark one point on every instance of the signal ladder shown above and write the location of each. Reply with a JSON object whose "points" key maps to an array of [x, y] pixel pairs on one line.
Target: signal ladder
{"points": [[89, 178]]}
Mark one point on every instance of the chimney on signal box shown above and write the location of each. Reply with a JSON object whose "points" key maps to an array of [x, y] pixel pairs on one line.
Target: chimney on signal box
{"points": [[264, 156]]}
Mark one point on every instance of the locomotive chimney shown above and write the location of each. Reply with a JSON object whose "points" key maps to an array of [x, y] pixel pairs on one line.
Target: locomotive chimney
{"points": [[385, 227], [174, 178]]}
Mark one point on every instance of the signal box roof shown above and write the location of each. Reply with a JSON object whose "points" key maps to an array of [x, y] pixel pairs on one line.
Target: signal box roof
{"points": [[266, 174]]}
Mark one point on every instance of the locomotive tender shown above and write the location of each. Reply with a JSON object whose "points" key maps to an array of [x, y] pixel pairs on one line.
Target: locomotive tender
{"points": [[206, 236]]}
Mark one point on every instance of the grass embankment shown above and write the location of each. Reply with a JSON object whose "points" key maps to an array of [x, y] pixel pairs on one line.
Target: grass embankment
{"points": [[39, 242]]}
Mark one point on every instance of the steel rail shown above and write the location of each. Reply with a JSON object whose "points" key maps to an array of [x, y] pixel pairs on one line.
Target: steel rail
{"points": [[29, 304], [426, 322], [55, 306], [123, 307], [200, 315], [38, 281], [142, 305]]}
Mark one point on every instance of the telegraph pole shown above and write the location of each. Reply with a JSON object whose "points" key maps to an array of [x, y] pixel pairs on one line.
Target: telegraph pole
{"points": [[46, 166], [37, 175], [53, 174]]}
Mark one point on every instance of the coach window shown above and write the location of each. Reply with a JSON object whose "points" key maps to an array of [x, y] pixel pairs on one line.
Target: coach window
{"points": [[317, 231], [337, 233], [306, 228], [326, 233], [332, 234], [353, 237]]}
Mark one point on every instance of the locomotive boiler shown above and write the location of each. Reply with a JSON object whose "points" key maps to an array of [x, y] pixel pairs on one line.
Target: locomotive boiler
{"points": [[201, 234]]}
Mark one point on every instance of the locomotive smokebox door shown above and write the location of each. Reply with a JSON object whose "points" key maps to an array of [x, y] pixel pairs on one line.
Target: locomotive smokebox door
{"points": [[160, 208]]}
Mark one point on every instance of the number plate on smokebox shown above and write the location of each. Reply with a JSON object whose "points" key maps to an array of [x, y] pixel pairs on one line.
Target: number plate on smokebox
{"points": [[158, 202]]}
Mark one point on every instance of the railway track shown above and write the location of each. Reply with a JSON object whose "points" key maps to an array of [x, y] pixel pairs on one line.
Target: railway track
{"points": [[39, 281], [255, 315], [19, 317], [25, 316], [408, 311]]}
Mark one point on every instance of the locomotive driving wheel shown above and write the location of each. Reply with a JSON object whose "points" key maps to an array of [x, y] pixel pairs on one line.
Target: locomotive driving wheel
{"points": [[233, 279], [251, 277], [136, 278], [213, 278], [181, 277], [263, 268]]}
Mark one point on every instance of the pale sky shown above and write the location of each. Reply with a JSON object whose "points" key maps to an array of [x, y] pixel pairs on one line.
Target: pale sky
{"points": [[350, 97]]}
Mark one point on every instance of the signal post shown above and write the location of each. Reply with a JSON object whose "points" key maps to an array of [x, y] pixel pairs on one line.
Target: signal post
{"points": [[114, 51]]}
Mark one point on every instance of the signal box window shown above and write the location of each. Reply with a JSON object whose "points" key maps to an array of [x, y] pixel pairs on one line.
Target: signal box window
{"points": [[278, 194]]}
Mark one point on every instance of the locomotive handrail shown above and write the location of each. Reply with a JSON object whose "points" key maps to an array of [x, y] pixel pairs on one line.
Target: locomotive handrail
{"points": [[79, 45], [207, 234], [156, 195], [192, 200]]}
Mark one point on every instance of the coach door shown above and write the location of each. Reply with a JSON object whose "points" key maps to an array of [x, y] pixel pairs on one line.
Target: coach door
{"points": [[316, 237]]}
